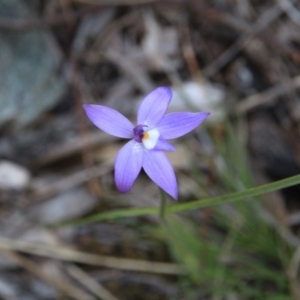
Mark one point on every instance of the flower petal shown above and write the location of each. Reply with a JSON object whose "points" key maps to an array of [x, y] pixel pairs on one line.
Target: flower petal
{"points": [[159, 169], [154, 106], [163, 145], [176, 124], [109, 120], [128, 165]]}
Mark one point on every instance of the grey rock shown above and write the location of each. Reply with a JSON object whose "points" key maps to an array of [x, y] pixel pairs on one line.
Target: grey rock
{"points": [[29, 61], [8, 290], [67, 206], [13, 176]]}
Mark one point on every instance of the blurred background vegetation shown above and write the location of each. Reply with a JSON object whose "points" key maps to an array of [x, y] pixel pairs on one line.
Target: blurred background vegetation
{"points": [[238, 59]]}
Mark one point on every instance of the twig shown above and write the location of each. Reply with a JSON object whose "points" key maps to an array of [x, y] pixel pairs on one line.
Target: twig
{"points": [[249, 32], [90, 259], [290, 10], [35, 269], [190, 56], [226, 56], [71, 181], [95, 287], [137, 75], [269, 95], [253, 29], [106, 35], [72, 147]]}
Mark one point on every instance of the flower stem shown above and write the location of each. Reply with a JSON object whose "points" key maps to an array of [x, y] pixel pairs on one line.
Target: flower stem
{"points": [[162, 206]]}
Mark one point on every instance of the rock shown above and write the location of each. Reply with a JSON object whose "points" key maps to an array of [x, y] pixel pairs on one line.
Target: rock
{"points": [[13, 176], [29, 81], [67, 206], [8, 290], [201, 97]]}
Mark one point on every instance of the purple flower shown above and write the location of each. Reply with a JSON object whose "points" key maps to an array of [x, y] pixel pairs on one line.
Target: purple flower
{"points": [[147, 138]]}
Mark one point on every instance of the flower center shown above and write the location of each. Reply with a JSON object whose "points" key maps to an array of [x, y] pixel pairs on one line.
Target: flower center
{"points": [[148, 138], [138, 133]]}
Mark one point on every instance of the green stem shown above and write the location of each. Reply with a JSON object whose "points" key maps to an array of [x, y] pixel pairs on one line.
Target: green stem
{"points": [[250, 193], [162, 207]]}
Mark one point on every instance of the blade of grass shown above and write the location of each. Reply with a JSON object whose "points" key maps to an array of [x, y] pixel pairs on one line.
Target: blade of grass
{"points": [[185, 246], [132, 212]]}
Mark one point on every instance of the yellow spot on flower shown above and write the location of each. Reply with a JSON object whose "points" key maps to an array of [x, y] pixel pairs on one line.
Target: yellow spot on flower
{"points": [[146, 136], [150, 138]]}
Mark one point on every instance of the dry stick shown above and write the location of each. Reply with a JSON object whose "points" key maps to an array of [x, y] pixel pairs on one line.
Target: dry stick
{"points": [[35, 269], [90, 259], [243, 40], [72, 147], [71, 181], [105, 37], [134, 72], [190, 56], [84, 279], [95, 287], [191, 60], [290, 10], [269, 95], [138, 77], [226, 56]]}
